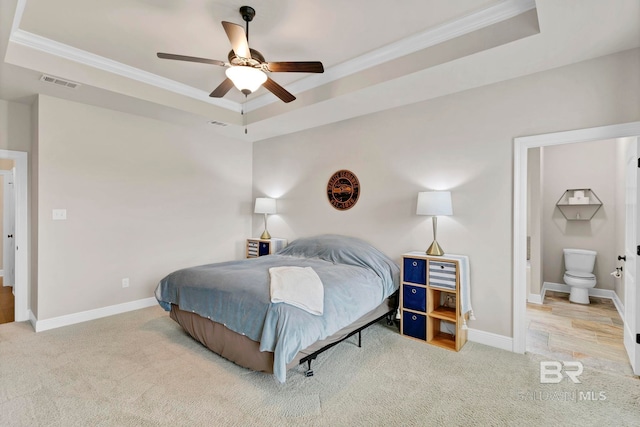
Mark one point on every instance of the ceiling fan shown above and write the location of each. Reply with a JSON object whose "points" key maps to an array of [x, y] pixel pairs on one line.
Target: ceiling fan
{"points": [[247, 68]]}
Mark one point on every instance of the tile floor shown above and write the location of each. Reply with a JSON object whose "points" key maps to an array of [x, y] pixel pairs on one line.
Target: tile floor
{"points": [[592, 334]]}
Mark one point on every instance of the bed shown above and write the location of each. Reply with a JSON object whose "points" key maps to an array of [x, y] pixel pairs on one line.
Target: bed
{"points": [[227, 306]]}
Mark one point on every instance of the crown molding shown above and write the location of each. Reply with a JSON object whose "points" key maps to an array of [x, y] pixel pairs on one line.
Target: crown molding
{"points": [[431, 37], [80, 56], [17, 16]]}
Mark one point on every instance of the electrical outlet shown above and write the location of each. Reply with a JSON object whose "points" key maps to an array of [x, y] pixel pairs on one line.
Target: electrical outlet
{"points": [[125, 282], [59, 214]]}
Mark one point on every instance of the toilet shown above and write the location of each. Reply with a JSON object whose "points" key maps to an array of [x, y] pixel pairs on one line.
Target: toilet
{"points": [[579, 264]]}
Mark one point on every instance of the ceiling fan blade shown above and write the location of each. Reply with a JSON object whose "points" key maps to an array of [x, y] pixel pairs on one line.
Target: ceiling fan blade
{"points": [[222, 89], [190, 59], [296, 67], [238, 39], [278, 90]]}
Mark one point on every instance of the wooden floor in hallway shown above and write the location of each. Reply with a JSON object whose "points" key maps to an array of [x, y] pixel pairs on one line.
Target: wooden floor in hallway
{"points": [[591, 334], [7, 304]]}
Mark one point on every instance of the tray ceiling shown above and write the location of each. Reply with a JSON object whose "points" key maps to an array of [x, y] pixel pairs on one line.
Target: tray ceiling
{"points": [[376, 55]]}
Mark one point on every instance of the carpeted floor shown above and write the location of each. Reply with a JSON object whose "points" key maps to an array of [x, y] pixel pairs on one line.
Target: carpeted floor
{"points": [[140, 369]]}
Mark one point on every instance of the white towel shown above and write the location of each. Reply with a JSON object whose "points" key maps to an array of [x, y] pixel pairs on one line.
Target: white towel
{"points": [[465, 291], [297, 286]]}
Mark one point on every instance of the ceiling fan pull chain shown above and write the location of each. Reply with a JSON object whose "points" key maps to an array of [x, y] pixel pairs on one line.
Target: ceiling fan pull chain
{"points": [[244, 119]]}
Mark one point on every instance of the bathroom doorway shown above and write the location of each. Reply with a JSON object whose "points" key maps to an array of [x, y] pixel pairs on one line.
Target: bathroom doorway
{"points": [[7, 227], [556, 327], [20, 237], [520, 294]]}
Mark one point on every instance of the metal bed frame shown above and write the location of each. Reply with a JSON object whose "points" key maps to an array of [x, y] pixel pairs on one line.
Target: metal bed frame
{"points": [[389, 315]]}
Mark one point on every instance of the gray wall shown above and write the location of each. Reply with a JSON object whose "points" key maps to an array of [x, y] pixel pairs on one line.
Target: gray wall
{"points": [[143, 198], [461, 142], [15, 126], [584, 165]]}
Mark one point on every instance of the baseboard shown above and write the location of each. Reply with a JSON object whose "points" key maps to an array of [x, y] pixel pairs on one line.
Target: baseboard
{"points": [[490, 339], [535, 299], [557, 287], [593, 292], [618, 304], [84, 316]]}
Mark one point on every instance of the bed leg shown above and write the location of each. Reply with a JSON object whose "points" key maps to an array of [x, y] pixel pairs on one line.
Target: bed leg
{"points": [[359, 339], [309, 371], [389, 319]]}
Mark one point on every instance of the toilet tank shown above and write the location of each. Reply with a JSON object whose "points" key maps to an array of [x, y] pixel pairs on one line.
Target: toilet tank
{"points": [[579, 260]]}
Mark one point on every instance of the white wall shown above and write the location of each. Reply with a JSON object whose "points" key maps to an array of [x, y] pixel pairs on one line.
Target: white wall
{"points": [[570, 166], [462, 142], [143, 198]]}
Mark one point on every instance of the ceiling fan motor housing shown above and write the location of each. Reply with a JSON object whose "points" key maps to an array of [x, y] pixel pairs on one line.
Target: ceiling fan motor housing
{"points": [[247, 13], [255, 61]]}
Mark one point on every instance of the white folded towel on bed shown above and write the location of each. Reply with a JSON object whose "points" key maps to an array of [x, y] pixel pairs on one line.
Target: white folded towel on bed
{"points": [[297, 286]]}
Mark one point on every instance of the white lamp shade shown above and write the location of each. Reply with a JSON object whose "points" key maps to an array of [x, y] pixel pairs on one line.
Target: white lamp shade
{"points": [[436, 203], [246, 79], [264, 205]]}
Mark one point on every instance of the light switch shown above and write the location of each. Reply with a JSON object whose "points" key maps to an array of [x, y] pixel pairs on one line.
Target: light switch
{"points": [[59, 214]]}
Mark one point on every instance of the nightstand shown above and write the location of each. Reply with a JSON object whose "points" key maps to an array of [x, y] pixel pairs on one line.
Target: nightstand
{"points": [[430, 303], [260, 247]]}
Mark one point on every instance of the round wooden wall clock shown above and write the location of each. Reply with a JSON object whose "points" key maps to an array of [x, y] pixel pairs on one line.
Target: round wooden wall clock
{"points": [[343, 190]]}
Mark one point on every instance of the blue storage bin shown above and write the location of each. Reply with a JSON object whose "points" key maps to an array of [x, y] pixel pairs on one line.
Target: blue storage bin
{"points": [[414, 325], [263, 249], [414, 298], [415, 271]]}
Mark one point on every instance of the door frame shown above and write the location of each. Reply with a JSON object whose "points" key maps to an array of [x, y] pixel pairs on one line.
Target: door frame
{"points": [[520, 153], [630, 318], [21, 288]]}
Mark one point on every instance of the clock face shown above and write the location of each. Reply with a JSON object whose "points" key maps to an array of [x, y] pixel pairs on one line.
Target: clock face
{"points": [[343, 190]]}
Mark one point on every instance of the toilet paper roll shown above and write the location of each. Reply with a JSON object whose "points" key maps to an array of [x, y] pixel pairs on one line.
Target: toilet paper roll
{"points": [[578, 200], [616, 274]]}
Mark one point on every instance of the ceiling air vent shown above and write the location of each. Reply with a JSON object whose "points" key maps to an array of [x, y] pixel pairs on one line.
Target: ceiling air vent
{"points": [[59, 82], [216, 123]]}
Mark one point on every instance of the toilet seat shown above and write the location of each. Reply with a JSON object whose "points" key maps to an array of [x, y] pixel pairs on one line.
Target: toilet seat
{"points": [[580, 282], [580, 275]]}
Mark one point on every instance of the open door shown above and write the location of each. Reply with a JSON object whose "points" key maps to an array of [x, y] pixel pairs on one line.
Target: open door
{"points": [[8, 226], [632, 249]]}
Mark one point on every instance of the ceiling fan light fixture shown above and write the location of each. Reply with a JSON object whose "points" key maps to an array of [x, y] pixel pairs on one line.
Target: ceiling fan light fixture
{"points": [[247, 67], [246, 79]]}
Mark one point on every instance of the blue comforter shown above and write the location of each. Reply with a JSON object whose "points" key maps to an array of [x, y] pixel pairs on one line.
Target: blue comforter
{"points": [[356, 279]]}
